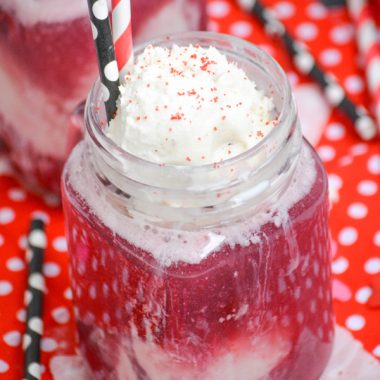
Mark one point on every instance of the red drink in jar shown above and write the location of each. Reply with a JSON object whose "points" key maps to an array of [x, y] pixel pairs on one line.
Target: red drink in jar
{"points": [[202, 272], [47, 64]]}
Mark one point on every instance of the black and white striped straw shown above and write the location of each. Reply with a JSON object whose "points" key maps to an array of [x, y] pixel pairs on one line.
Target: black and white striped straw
{"points": [[108, 70], [34, 300], [364, 124]]}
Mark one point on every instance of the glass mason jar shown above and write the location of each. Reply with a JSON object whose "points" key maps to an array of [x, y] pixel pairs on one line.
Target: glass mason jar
{"points": [[47, 65], [202, 272]]}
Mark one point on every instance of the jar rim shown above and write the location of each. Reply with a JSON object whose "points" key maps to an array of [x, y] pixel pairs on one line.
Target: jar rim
{"points": [[111, 149]]}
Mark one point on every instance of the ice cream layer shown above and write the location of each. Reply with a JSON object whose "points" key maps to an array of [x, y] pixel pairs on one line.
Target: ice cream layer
{"points": [[189, 106]]}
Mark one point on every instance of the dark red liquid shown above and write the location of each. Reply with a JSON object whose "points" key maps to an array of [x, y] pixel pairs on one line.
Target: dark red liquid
{"points": [[261, 311]]}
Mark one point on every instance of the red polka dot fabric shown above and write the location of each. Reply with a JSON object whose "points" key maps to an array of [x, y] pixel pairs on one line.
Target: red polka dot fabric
{"points": [[353, 168]]}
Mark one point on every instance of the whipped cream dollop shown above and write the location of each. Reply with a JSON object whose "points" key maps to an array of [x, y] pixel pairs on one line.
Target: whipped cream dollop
{"points": [[189, 106]]}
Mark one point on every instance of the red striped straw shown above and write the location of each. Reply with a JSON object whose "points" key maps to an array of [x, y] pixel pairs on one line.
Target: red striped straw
{"points": [[122, 34], [369, 48]]}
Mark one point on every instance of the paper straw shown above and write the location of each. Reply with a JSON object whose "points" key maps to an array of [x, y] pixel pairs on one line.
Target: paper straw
{"points": [[369, 48], [334, 3], [34, 300], [306, 64], [108, 70], [122, 34]]}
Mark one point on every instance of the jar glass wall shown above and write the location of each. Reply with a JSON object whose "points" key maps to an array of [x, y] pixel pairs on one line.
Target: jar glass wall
{"points": [[202, 272]]}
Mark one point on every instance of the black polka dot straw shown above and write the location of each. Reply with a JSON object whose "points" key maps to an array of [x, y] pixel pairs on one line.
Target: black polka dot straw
{"points": [[334, 3], [34, 300], [108, 70], [364, 124]]}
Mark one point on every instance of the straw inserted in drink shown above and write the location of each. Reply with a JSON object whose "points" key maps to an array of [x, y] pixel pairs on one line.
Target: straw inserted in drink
{"points": [[108, 68], [122, 34]]}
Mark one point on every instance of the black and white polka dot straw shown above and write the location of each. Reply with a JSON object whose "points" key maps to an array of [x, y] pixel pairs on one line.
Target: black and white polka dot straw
{"points": [[34, 300], [108, 70], [364, 124]]}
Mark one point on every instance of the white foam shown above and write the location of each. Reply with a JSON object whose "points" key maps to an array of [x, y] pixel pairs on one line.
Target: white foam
{"points": [[169, 246], [30, 12], [188, 105]]}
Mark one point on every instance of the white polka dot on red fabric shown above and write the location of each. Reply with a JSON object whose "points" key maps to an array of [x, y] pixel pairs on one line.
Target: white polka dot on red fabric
{"points": [[355, 322], [330, 57], [376, 239], [367, 188], [316, 11], [61, 315], [4, 366], [52, 200], [359, 149], [15, 264], [48, 344], [326, 153], [12, 338], [340, 265], [212, 26], [5, 288], [362, 295], [7, 215], [21, 315], [376, 351], [60, 244], [218, 9], [2, 240], [373, 164], [357, 210], [16, 195], [306, 31], [51, 269], [23, 242], [284, 9], [241, 29], [335, 131], [372, 266], [354, 84], [68, 294], [342, 34], [346, 161], [335, 181], [347, 236]]}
